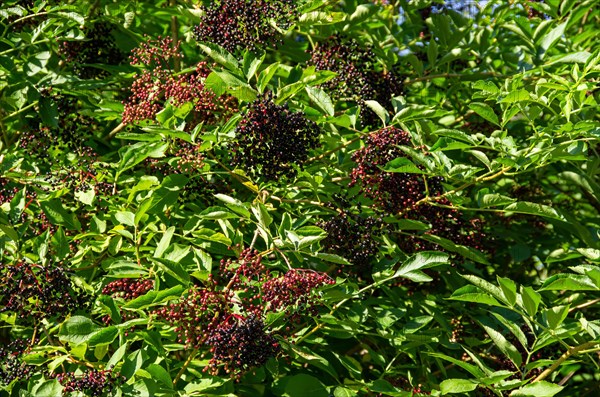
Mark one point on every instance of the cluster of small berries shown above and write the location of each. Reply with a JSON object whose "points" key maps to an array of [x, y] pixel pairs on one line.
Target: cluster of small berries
{"points": [[396, 193], [226, 315], [155, 86], [34, 291], [98, 47], [94, 383], [357, 76], [240, 343], [353, 237], [128, 288], [293, 292], [196, 314], [243, 24], [11, 366], [270, 139], [391, 192]]}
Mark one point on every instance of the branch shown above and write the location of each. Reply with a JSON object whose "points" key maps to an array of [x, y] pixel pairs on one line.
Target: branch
{"points": [[571, 352], [185, 365]]}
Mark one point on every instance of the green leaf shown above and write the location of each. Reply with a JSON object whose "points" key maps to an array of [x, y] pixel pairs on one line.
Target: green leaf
{"points": [[343, 392], [556, 315], [58, 215], [472, 369], [48, 388], [48, 112], [550, 39], [493, 200], [303, 385], [470, 293], [266, 76], [537, 389], [125, 218], [321, 99], [174, 269], [332, 258], [516, 96], [507, 348], [159, 373], [531, 300], [451, 386], [569, 282], [379, 110], [509, 289], [164, 242], [432, 52], [526, 207], [153, 298], [402, 165], [315, 18], [488, 287], [220, 55], [411, 268], [103, 336], [135, 154], [77, 330], [484, 111], [234, 204]]}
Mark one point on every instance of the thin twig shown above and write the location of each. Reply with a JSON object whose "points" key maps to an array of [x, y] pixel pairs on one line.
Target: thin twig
{"points": [[584, 305]]}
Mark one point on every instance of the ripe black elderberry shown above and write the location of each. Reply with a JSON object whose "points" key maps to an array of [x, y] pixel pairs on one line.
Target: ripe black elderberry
{"points": [[358, 77], [99, 47], [353, 237], [244, 24], [34, 292], [94, 383], [240, 343], [271, 138], [11, 365]]}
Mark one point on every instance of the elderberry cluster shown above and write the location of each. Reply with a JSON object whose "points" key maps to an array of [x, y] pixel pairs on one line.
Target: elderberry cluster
{"points": [[157, 84], [11, 366], [34, 292], [391, 192], [240, 343], [128, 288], [98, 47], [244, 24], [353, 237], [270, 139], [196, 313], [294, 292], [94, 383], [358, 78], [227, 314], [397, 193]]}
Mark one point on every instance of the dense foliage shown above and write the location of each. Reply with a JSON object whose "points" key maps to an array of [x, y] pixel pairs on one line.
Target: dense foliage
{"points": [[273, 197]]}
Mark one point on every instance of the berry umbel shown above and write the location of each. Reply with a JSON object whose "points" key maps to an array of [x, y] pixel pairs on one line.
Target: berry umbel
{"points": [[271, 139], [243, 24]]}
